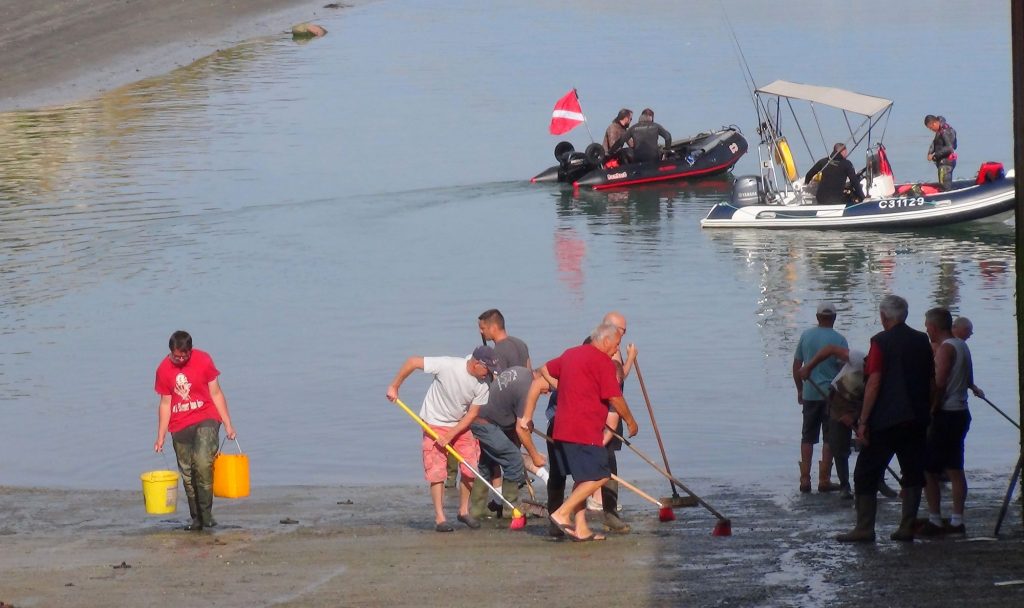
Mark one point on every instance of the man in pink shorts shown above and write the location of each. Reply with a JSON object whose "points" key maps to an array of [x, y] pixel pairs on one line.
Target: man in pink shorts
{"points": [[459, 382]]}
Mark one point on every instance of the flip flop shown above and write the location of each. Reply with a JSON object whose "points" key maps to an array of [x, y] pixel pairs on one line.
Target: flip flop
{"points": [[587, 539], [568, 530]]}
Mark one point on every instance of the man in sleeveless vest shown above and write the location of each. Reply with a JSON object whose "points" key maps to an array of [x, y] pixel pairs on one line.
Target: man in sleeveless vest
{"points": [[893, 420], [951, 419]]}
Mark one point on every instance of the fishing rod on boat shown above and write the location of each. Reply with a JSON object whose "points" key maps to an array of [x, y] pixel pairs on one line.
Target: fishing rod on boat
{"points": [[767, 129]]}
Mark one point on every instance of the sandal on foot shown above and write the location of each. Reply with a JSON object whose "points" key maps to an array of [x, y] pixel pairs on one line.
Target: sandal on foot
{"points": [[444, 526], [565, 528]]}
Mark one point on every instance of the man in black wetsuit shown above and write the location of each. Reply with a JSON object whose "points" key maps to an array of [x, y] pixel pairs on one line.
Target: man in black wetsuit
{"points": [[645, 138], [942, 150], [835, 170]]}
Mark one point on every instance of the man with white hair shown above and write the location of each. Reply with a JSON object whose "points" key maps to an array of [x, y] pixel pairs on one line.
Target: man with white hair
{"points": [[894, 419], [587, 386]]}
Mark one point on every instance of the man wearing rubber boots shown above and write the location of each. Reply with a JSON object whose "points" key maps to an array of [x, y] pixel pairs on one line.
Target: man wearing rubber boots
{"points": [[811, 396], [192, 407], [900, 372], [494, 426], [587, 386]]}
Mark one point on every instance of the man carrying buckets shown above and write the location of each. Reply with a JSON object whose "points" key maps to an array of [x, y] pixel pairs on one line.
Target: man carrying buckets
{"points": [[192, 407]]}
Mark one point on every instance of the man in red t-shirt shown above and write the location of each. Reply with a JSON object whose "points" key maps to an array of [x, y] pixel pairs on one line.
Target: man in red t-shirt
{"points": [[587, 385], [192, 407]]}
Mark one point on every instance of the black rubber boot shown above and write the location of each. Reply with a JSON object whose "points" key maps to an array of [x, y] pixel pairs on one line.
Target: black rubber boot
{"points": [[864, 532], [843, 473], [193, 511], [911, 503]]}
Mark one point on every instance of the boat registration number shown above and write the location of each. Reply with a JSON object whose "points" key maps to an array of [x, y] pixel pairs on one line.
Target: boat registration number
{"points": [[895, 203]]}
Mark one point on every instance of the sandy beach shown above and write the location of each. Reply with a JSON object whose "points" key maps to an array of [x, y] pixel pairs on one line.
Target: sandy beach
{"points": [[64, 50], [375, 546]]}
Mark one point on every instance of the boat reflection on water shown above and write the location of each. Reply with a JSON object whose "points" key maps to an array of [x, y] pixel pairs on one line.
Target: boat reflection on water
{"points": [[855, 269], [643, 203]]}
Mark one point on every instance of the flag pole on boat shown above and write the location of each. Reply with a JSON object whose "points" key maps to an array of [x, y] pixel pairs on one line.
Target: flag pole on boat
{"points": [[585, 123]]}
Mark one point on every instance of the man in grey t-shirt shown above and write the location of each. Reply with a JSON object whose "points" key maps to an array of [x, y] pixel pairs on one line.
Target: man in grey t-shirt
{"points": [[494, 426], [510, 350]]}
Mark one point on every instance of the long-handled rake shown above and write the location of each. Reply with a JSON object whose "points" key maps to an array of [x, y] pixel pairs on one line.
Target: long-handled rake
{"points": [[518, 519], [675, 500], [664, 510], [724, 525]]}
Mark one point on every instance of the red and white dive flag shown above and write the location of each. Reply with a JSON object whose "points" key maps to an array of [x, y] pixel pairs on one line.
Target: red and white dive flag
{"points": [[567, 114]]}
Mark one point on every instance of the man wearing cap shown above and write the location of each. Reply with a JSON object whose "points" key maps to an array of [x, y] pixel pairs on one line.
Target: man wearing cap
{"points": [[459, 382], [811, 395]]}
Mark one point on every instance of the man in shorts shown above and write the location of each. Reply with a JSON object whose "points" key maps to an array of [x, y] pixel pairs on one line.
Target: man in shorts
{"points": [[587, 386], [951, 419], [458, 384], [810, 396]]}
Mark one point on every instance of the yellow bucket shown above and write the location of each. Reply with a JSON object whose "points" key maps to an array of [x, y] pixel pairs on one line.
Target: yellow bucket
{"points": [[231, 474], [160, 491]]}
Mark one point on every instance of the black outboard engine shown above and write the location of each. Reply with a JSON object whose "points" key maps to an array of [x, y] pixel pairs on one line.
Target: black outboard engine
{"points": [[748, 190], [573, 164], [570, 162]]}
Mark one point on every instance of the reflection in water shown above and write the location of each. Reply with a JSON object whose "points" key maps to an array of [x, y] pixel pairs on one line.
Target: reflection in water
{"points": [[570, 250], [81, 185], [855, 269]]}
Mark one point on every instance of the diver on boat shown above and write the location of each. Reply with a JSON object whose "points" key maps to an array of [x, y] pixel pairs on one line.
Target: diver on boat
{"points": [[616, 130], [835, 170], [942, 150], [645, 138]]}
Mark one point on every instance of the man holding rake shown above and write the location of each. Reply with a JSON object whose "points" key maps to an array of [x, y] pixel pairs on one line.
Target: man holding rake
{"points": [[587, 385]]}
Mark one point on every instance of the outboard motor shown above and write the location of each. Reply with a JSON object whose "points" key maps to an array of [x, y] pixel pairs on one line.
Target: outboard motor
{"points": [[748, 190]]}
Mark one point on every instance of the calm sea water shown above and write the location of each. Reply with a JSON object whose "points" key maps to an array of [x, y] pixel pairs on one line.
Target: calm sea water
{"points": [[315, 213]]}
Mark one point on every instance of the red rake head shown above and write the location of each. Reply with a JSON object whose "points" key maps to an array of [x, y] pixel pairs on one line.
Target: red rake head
{"points": [[666, 514], [722, 528], [518, 520]]}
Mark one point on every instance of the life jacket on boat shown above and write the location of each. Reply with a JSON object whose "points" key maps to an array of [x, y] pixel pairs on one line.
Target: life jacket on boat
{"points": [[990, 172]]}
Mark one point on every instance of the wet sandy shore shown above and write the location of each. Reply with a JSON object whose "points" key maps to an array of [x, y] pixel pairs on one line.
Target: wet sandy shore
{"points": [[375, 546], [58, 51]]}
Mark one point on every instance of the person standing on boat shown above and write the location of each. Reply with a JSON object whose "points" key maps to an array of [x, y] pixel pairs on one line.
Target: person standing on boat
{"points": [[192, 407], [645, 135], [458, 384], [616, 130], [835, 170], [951, 419], [900, 372], [942, 150], [811, 396]]}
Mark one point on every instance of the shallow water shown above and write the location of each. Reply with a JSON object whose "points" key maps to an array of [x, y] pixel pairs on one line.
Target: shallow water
{"points": [[315, 213]]}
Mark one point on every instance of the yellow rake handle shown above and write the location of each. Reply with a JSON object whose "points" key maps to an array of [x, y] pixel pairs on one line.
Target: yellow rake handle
{"points": [[516, 513]]}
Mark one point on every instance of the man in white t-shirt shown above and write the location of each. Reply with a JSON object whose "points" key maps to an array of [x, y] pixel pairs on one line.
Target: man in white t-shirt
{"points": [[459, 382]]}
